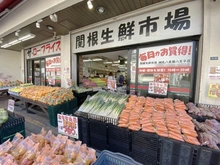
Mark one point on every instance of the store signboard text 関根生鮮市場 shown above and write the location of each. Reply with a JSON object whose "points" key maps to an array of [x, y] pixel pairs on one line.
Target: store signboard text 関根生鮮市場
{"points": [[172, 22]]}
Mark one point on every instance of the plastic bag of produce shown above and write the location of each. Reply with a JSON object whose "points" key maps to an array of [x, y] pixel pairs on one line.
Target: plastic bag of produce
{"points": [[49, 137], [7, 159], [3, 116], [5, 147], [86, 156], [71, 151], [29, 156], [22, 148]]}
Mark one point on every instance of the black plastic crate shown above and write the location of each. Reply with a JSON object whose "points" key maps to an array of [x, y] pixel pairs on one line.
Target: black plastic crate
{"points": [[174, 152], [98, 134], [84, 130], [119, 139], [11, 127], [145, 147], [144, 156], [145, 140], [208, 156]]}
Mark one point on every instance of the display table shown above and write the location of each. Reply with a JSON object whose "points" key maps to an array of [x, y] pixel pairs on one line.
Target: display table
{"points": [[31, 106], [3, 92]]}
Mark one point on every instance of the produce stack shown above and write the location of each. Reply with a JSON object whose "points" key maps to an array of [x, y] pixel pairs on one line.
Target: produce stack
{"points": [[47, 95], [165, 117], [3, 116], [45, 148], [104, 105]]}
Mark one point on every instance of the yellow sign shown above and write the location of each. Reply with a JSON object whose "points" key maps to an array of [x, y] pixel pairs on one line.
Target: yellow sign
{"points": [[214, 90]]}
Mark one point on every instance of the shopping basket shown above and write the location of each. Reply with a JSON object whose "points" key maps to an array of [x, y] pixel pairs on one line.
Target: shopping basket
{"points": [[111, 158]]}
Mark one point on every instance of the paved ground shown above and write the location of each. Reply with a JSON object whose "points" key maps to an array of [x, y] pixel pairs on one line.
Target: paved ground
{"points": [[33, 122]]}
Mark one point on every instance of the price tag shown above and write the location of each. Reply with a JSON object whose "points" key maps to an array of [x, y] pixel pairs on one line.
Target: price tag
{"points": [[68, 125], [11, 105]]}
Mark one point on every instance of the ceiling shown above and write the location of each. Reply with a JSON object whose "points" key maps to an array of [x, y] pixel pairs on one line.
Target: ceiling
{"points": [[75, 17]]}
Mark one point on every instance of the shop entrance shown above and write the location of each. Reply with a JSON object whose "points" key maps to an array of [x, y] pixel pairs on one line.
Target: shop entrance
{"points": [[109, 70], [44, 71], [36, 72]]}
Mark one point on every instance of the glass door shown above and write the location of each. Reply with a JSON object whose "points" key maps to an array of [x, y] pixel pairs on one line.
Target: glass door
{"points": [[29, 71], [37, 72], [42, 72]]}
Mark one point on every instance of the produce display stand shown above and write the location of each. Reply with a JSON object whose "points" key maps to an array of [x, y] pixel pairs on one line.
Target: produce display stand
{"points": [[13, 125], [31, 106], [3, 93], [146, 148], [81, 97]]}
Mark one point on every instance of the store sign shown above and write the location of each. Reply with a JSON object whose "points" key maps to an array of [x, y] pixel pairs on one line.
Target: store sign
{"points": [[214, 90], [171, 22], [50, 48], [68, 125], [175, 58], [158, 88], [53, 69]]}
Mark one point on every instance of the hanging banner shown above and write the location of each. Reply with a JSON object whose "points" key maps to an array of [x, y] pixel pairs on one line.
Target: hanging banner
{"points": [[175, 58], [214, 90], [53, 69], [172, 22], [68, 125], [51, 48], [214, 72]]}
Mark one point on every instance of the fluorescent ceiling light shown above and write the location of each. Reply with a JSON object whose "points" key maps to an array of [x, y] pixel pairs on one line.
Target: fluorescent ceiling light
{"points": [[108, 62], [5, 46], [26, 37], [87, 60], [116, 62], [14, 42], [97, 59], [126, 62]]}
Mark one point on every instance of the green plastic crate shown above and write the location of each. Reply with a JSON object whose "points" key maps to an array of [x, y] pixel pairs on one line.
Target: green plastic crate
{"points": [[11, 127], [67, 108]]}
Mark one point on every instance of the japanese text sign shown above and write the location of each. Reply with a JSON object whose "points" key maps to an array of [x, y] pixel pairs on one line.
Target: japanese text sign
{"points": [[175, 58], [11, 105], [50, 48], [214, 90], [171, 22], [68, 125], [214, 72], [158, 88], [112, 84]]}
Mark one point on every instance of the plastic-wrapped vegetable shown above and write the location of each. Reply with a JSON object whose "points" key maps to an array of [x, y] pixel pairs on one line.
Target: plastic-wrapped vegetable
{"points": [[3, 116]]}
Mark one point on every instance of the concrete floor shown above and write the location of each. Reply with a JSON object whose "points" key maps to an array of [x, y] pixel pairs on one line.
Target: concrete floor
{"points": [[33, 122]]}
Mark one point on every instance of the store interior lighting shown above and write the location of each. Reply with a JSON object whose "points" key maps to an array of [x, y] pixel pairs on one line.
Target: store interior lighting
{"points": [[97, 59], [53, 17], [108, 62], [20, 39], [17, 33], [116, 62], [89, 4], [38, 23], [88, 60]]}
